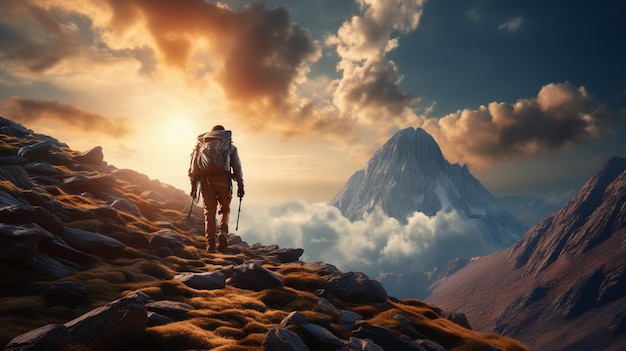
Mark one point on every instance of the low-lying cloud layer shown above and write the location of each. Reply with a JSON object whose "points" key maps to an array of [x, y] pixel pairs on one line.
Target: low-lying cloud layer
{"points": [[375, 244]]}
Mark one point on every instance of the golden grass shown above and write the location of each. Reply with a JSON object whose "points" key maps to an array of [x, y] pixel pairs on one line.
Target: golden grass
{"points": [[431, 322], [179, 336], [302, 280], [9, 187], [287, 299], [78, 201]]}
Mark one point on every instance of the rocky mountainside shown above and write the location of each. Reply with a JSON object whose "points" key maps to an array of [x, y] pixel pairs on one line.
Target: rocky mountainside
{"points": [[563, 285], [98, 258], [409, 174]]}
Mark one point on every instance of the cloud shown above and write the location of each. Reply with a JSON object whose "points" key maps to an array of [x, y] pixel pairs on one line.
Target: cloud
{"points": [[512, 25], [561, 116], [375, 244], [35, 38], [369, 87], [259, 59], [25, 110], [256, 55]]}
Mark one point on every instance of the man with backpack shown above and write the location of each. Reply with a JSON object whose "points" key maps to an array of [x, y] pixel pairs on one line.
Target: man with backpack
{"points": [[211, 162]]}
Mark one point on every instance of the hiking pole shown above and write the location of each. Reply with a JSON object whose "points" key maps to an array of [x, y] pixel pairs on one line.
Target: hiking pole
{"points": [[238, 212], [190, 208]]}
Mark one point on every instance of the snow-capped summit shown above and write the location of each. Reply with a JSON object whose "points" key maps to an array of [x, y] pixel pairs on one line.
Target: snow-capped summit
{"points": [[409, 174]]}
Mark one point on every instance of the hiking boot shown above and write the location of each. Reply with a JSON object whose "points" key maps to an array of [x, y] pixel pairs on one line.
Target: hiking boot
{"points": [[210, 244], [223, 242]]}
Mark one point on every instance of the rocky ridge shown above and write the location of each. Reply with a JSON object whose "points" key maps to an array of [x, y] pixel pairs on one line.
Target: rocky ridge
{"points": [[95, 257], [565, 279]]}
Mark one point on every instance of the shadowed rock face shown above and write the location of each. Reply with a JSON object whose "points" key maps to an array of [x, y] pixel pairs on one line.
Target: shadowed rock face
{"points": [[566, 274], [94, 257]]}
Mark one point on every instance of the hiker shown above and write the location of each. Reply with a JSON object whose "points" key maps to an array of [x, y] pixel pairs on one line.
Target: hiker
{"points": [[212, 161]]}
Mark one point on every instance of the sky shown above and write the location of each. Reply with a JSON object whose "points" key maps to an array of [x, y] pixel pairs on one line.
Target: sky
{"points": [[531, 95]]}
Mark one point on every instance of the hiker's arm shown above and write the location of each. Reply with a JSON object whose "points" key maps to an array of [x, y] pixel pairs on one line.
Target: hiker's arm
{"points": [[235, 163]]}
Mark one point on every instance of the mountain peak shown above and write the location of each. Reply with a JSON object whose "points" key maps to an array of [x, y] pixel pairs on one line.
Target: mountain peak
{"points": [[409, 174], [410, 145]]}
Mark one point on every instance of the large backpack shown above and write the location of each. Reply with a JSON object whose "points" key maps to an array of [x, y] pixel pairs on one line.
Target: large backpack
{"points": [[212, 154]]}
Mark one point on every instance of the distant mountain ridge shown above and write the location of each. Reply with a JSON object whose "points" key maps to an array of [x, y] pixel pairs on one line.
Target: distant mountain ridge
{"points": [[410, 174], [562, 286]]}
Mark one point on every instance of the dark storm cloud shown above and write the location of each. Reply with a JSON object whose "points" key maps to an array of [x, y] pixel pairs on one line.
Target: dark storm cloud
{"points": [[27, 111], [561, 116]]}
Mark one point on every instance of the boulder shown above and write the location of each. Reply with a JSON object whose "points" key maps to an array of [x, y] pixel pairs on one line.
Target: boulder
{"points": [[172, 309], [48, 337], [39, 151], [94, 184], [252, 276], [18, 245], [30, 214], [16, 175], [155, 319], [167, 238], [460, 319], [430, 345], [7, 199], [35, 199], [287, 255], [41, 168], [203, 281], [294, 318], [319, 338], [384, 337], [127, 206], [92, 157], [52, 266], [323, 269], [92, 243], [108, 212], [113, 326], [11, 159], [110, 327], [54, 245], [357, 344], [347, 319], [407, 328], [356, 287], [282, 339]]}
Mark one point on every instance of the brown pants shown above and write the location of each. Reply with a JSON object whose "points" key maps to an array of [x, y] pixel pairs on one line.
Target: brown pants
{"points": [[214, 195]]}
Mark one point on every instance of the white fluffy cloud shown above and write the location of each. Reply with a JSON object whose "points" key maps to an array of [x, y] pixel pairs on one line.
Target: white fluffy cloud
{"points": [[373, 245]]}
